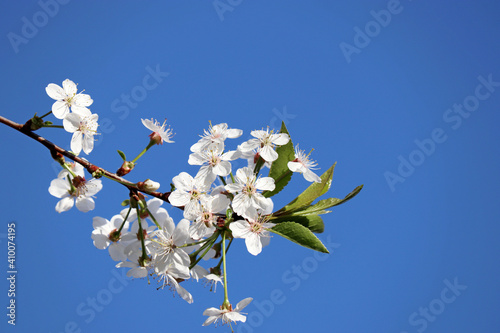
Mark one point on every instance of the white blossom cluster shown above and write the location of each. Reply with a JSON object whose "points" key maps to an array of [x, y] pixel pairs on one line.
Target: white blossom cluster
{"points": [[143, 237], [79, 121]]}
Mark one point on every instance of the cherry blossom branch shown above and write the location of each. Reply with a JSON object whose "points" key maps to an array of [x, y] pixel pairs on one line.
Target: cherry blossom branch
{"points": [[57, 153]]}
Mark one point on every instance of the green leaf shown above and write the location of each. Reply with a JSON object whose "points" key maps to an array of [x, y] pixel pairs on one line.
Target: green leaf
{"points": [[279, 169], [311, 222], [310, 194], [299, 234], [320, 206], [122, 154]]}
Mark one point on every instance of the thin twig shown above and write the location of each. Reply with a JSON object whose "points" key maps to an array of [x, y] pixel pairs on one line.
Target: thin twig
{"points": [[91, 168]]}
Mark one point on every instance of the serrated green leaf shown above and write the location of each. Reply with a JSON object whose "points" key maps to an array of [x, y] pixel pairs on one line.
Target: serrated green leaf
{"points": [[279, 169], [311, 222], [320, 206], [299, 234], [310, 194], [122, 154]]}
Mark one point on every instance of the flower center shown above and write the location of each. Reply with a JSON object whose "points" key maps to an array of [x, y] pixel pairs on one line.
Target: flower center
{"points": [[88, 126], [256, 227], [80, 187]]}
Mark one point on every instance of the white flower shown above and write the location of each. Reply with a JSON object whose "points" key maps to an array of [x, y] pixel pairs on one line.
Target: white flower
{"points": [[265, 142], [204, 224], [106, 234], [71, 189], [160, 133], [212, 280], [188, 192], [216, 135], [83, 125], [67, 97], [138, 268], [304, 165], [148, 185], [198, 272], [226, 315], [214, 163], [248, 200], [167, 242], [252, 156], [254, 232], [168, 278]]}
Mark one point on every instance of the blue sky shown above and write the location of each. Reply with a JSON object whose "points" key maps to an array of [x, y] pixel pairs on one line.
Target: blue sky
{"points": [[404, 95]]}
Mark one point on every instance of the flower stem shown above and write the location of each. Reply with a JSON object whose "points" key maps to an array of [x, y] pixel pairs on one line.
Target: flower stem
{"points": [[144, 254], [124, 220], [54, 126], [226, 299], [65, 166], [223, 180], [150, 144], [45, 115]]}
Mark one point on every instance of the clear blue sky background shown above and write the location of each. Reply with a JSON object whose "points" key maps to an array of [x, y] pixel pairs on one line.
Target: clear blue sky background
{"points": [[395, 248]]}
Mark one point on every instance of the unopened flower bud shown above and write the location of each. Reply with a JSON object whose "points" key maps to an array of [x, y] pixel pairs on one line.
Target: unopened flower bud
{"points": [[125, 168], [148, 185]]}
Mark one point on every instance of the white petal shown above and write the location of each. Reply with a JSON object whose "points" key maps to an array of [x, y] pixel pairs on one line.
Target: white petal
{"points": [[183, 181], [88, 144], [231, 155], [254, 246], [265, 184], [85, 204], [242, 304], [69, 87], [234, 133], [212, 312], [311, 176], [295, 166], [268, 154], [235, 187], [65, 204], [236, 316], [55, 92], [178, 198], [59, 187], [249, 145], [259, 134], [76, 142], [240, 229], [196, 159], [100, 241], [223, 168], [210, 319], [71, 122], [82, 100], [117, 252], [99, 222], [279, 139], [60, 109], [219, 203], [181, 233]]}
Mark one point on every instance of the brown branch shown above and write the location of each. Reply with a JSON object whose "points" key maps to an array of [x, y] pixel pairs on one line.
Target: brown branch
{"points": [[57, 151]]}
